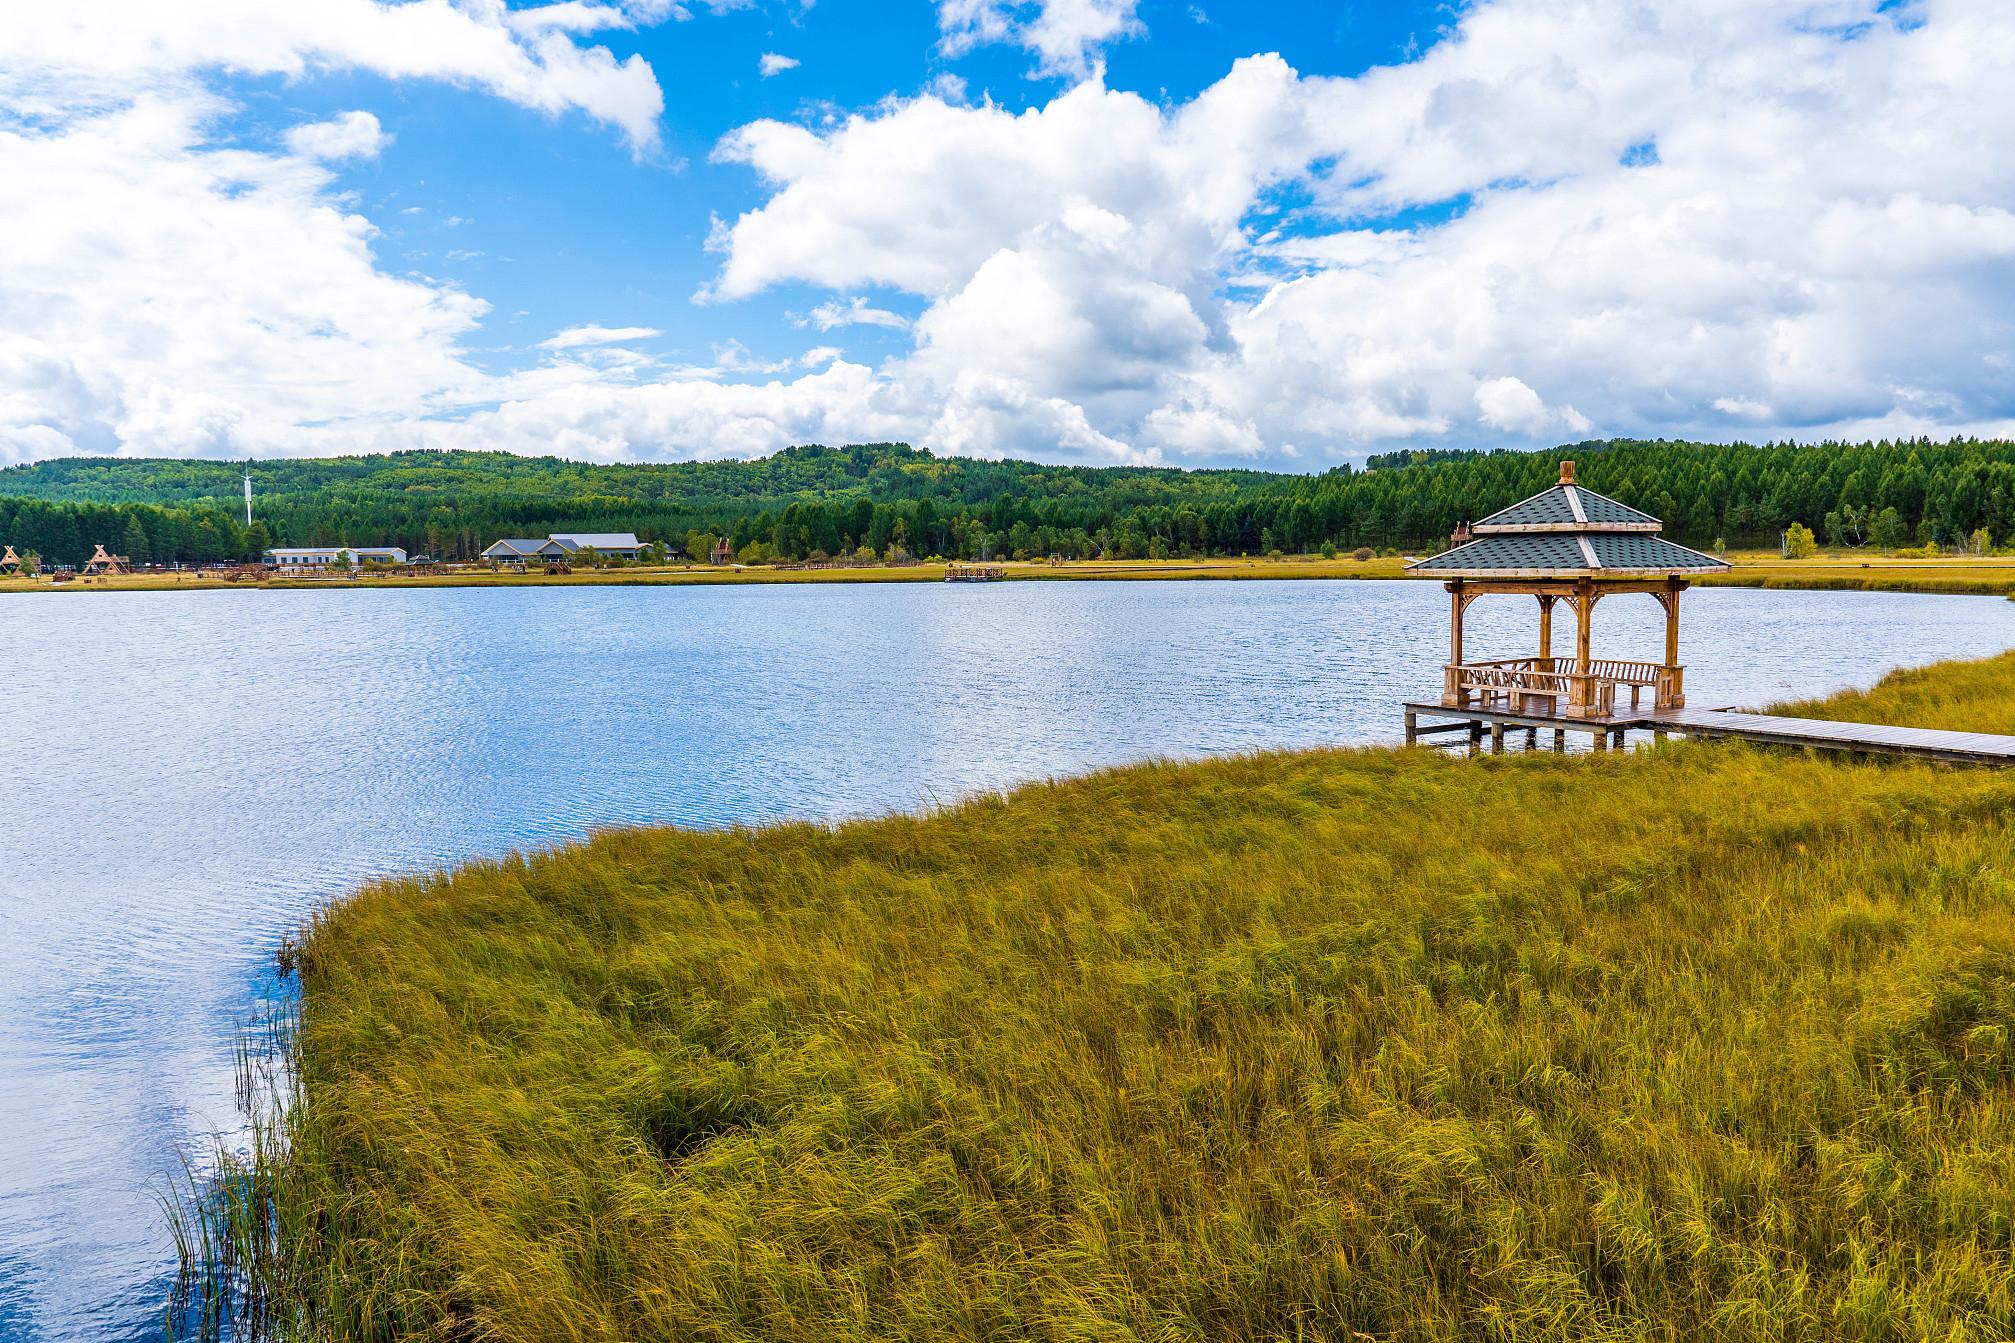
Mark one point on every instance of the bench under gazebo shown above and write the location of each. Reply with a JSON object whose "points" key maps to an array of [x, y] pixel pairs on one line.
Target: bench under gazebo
{"points": [[1565, 544]]}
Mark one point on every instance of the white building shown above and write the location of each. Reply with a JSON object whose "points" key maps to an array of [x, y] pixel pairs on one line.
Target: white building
{"points": [[617, 545], [560, 545], [321, 557]]}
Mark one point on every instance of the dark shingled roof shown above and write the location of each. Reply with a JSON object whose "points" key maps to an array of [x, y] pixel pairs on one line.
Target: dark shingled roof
{"points": [[1541, 550], [1553, 510], [1561, 553], [1565, 532]]}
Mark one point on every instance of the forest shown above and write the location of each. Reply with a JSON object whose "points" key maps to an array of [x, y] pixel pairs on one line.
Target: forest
{"points": [[813, 502]]}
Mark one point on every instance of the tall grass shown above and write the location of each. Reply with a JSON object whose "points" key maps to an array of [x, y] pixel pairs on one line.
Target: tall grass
{"points": [[1703, 1042]]}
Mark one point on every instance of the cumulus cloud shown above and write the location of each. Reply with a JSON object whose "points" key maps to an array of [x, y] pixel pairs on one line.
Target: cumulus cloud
{"points": [[1706, 218], [353, 135], [1065, 36], [1712, 218], [774, 64], [160, 296], [855, 311], [528, 56]]}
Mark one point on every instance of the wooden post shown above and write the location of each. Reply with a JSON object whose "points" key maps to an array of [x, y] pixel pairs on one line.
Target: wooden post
{"points": [[1546, 601], [1497, 739], [1455, 607], [1412, 727], [1672, 626], [1584, 608]]}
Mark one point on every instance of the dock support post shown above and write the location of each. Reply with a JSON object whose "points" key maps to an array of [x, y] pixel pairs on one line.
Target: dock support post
{"points": [[1412, 727], [1600, 743], [1531, 738], [1497, 739], [1559, 740]]}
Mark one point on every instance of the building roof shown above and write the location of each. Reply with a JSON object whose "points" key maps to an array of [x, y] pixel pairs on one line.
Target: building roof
{"points": [[1564, 555], [516, 545], [1567, 508], [598, 540], [1566, 532]]}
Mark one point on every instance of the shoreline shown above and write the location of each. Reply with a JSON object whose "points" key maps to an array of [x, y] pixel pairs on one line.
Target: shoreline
{"points": [[1993, 576]]}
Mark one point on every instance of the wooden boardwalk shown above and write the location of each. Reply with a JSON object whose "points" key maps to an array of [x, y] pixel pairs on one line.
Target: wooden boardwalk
{"points": [[1970, 748]]}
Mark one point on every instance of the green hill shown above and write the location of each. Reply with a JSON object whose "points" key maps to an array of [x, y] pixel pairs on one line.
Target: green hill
{"points": [[809, 500]]}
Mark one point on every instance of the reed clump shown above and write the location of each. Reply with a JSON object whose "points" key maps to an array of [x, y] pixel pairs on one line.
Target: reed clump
{"points": [[1701, 1042]]}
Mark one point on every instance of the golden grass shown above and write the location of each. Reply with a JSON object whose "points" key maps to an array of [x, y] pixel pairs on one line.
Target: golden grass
{"points": [[1991, 576], [1704, 1042]]}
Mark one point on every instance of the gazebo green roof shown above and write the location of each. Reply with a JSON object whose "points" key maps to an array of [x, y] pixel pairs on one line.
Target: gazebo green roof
{"points": [[1566, 532]]}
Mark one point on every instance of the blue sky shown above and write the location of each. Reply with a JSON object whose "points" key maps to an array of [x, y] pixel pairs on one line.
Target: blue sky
{"points": [[1079, 230], [556, 223]]}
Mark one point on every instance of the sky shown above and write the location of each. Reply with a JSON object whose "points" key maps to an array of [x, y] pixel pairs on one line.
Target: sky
{"points": [[1282, 235]]}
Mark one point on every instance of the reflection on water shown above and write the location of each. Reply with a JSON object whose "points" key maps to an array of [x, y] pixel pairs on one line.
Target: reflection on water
{"points": [[190, 772]]}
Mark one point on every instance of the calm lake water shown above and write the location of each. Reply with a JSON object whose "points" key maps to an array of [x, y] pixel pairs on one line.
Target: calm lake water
{"points": [[189, 773]]}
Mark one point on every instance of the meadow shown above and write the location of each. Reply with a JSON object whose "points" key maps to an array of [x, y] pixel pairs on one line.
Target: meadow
{"points": [[1700, 1041], [1986, 575]]}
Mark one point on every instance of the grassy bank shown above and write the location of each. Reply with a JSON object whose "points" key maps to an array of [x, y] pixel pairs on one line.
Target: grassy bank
{"points": [[1701, 1042], [1989, 576]]}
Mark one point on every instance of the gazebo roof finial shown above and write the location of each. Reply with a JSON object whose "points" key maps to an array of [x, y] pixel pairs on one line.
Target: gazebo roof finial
{"points": [[1567, 472]]}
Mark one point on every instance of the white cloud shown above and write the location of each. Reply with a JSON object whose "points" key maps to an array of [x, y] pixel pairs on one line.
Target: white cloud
{"points": [[352, 135], [855, 311], [1066, 36], [527, 56], [574, 337], [1619, 216], [774, 64], [158, 296], [1640, 218]]}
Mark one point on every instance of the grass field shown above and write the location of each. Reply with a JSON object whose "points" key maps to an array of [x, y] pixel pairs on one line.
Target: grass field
{"points": [[1701, 1042], [1994, 576], [704, 575]]}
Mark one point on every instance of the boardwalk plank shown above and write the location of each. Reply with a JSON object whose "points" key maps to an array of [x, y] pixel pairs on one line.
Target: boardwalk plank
{"points": [[1818, 733]]}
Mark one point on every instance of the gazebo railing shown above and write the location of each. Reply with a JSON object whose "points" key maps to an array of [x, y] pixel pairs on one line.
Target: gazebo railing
{"points": [[1538, 685]]}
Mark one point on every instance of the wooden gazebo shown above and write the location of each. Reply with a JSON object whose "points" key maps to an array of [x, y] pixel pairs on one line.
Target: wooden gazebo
{"points": [[1566, 544]]}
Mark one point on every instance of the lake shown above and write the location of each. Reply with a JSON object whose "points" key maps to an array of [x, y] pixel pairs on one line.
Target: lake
{"points": [[190, 773]]}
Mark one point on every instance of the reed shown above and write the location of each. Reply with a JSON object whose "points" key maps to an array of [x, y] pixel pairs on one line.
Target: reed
{"points": [[1697, 1042]]}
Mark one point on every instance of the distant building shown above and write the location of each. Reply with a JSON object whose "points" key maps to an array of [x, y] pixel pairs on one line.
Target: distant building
{"points": [[617, 545], [560, 546], [523, 550], [321, 557]]}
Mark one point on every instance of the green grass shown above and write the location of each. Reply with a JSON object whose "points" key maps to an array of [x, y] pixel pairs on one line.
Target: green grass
{"points": [[1706, 1042]]}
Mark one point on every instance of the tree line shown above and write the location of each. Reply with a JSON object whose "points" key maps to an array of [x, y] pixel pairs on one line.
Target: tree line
{"points": [[815, 502]]}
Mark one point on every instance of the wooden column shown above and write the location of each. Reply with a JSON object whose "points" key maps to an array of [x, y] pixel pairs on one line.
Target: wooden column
{"points": [[1671, 604], [1455, 609], [1584, 608], [1546, 601]]}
